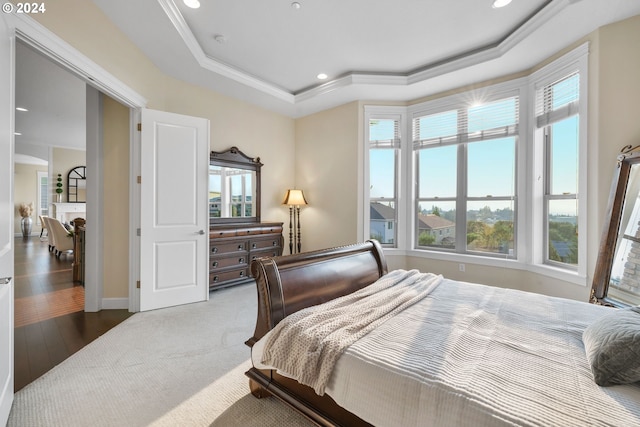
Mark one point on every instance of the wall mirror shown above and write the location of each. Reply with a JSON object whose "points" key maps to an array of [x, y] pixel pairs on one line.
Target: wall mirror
{"points": [[616, 280], [77, 185], [234, 187]]}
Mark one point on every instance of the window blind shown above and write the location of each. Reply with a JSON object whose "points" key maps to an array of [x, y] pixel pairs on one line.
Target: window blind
{"points": [[497, 119], [384, 133], [558, 100]]}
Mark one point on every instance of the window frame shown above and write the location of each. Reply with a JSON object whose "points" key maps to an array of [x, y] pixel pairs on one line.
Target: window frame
{"points": [[576, 61], [528, 223], [463, 102], [42, 210], [385, 113]]}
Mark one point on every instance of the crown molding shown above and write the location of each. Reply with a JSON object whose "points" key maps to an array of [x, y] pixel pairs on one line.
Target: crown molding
{"points": [[206, 62], [429, 71]]}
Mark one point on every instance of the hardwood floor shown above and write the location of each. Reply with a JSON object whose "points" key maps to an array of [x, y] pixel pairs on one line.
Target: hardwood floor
{"points": [[50, 324]]}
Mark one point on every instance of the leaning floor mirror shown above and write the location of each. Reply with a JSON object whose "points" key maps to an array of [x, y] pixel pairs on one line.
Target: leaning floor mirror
{"points": [[616, 280]]}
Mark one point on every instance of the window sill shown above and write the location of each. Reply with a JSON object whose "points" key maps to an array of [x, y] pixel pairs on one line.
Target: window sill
{"points": [[544, 270]]}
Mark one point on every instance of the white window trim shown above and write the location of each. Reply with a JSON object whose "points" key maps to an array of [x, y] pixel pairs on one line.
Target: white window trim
{"points": [[576, 60], [385, 113], [529, 164], [39, 176], [516, 87]]}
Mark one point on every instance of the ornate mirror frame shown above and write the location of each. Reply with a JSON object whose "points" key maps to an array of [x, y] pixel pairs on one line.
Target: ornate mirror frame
{"points": [[235, 158], [75, 175], [621, 189]]}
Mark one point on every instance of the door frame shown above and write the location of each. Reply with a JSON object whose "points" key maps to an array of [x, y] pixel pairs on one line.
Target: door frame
{"points": [[38, 37]]}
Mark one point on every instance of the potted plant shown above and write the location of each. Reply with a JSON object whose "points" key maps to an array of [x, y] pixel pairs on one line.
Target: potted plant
{"points": [[59, 188], [25, 212]]}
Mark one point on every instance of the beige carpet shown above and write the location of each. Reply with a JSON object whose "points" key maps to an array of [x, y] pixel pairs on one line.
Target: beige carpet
{"points": [[181, 366]]}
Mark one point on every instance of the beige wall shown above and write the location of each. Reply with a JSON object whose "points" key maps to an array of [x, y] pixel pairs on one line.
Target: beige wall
{"points": [[115, 151], [326, 150], [255, 131], [615, 111], [26, 191], [327, 172]]}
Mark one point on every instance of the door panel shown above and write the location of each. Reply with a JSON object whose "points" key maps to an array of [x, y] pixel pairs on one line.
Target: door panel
{"points": [[174, 232], [6, 219]]}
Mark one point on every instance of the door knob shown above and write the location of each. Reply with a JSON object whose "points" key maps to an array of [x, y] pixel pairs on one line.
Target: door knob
{"points": [[201, 232]]}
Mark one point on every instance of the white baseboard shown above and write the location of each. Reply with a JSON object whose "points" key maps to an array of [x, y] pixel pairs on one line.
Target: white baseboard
{"points": [[115, 303]]}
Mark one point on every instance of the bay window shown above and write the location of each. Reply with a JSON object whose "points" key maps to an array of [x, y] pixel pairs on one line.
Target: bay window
{"points": [[495, 174], [466, 178]]}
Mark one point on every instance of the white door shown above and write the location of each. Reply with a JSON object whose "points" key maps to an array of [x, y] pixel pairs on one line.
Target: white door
{"points": [[174, 212], [6, 220]]}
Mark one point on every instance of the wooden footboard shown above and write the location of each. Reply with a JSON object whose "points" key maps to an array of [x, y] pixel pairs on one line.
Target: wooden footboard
{"points": [[290, 283]]}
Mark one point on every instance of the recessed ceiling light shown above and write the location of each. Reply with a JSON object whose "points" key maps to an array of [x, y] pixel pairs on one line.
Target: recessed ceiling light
{"points": [[193, 4], [220, 38], [296, 5], [500, 3], [322, 76], [21, 109]]}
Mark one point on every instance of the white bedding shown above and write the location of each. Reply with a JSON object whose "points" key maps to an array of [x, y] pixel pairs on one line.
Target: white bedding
{"points": [[307, 344], [473, 355]]}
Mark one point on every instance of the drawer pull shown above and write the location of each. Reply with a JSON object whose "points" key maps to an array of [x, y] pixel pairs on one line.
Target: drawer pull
{"points": [[275, 243], [240, 247], [240, 260], [254, 246], [214, 250], [215, 279], [242, 274], [215, 263]]}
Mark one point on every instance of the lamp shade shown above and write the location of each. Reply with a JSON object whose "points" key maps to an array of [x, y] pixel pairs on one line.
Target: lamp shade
{"points": [[294, 198]]}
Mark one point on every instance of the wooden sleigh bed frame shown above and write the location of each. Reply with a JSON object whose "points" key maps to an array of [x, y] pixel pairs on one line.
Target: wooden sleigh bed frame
{"points": [[288, 284]]}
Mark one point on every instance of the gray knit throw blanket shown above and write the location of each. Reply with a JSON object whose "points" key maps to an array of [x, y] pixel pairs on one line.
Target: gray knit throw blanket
{"points": [[307, 344]]}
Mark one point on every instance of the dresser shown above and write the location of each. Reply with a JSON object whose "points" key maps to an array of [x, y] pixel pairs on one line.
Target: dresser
{"points": [[232, 247]]}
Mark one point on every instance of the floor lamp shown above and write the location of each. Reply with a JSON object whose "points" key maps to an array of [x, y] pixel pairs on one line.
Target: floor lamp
{"points": [[295, 199]]}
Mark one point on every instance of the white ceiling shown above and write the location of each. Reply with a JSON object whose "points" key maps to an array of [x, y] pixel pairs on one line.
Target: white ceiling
{"points": [[387, 50], [56, 104]]}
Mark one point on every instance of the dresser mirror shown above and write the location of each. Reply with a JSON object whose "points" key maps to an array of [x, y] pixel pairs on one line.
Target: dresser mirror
{"points": [[616, 280], [77, 185], [234, 187]]}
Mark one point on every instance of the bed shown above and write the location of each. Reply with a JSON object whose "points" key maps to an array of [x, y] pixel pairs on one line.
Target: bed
{"points": [[463, 354]]}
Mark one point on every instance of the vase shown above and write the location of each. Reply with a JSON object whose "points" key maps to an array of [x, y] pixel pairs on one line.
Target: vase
{"points": [[59, 197], [26, 225]]}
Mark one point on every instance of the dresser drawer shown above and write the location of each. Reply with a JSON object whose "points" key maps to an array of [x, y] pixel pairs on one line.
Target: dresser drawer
{"points": [[248, 231], [276, 229], [216, 247], [224, 276], [217, 263], [222, 233], [270, 252], [258, 244]]}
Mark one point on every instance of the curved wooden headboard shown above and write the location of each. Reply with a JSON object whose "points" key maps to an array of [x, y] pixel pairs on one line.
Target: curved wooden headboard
{"points": [[287, 284]]}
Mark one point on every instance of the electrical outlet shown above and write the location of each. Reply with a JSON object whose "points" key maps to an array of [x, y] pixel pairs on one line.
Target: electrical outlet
{"points": [[462, 267]]}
